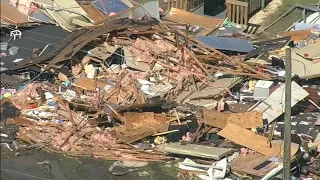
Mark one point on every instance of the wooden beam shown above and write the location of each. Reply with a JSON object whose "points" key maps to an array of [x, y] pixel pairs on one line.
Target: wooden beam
{"points": [[197, 61], [225, 57], [246, 15]]}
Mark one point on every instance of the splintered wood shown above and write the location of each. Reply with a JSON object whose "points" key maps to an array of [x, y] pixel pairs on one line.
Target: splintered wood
{"points": [[254, 141], [107, 110], [259, 164], [89, 84], [140, 125], [250, 163], [96, 143], [221, 119]]}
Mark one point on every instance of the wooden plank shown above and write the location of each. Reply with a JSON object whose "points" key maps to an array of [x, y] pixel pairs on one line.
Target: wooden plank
{"points": [[178, 15], [221, 119], [225, 57], [186, 5], [246, 15], [12, 15], [246, 138], [233, 19], [93, 13], [297, 35], [89, 84], [181, 4], [238, 14], [254, 141], [229, 8], [246, 164], [241, 15], [246, 120], [207, 32], [235, 2]]}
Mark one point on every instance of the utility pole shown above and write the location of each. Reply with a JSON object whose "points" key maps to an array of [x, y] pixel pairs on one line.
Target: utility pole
{"points": [[287, 118]]}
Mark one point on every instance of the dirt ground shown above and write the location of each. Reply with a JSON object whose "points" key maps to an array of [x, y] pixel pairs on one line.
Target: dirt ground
{"points": [[263, 15], [276, 9]]}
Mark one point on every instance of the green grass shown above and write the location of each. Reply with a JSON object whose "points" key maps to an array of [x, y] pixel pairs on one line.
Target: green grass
{"points": [[287, 21]]}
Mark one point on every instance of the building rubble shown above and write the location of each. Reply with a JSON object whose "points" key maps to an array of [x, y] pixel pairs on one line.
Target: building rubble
{"points": [[138, 83]]}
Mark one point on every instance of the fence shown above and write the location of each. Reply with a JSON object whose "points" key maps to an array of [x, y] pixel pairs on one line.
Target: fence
{"points": [[239, 11], [187, 5]]}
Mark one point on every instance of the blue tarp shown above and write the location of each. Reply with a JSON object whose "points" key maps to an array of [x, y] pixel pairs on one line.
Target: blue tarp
{"points": [[223, 43]]}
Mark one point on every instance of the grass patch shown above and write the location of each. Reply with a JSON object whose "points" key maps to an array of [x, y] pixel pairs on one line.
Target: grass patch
{"points": [[287, 21]]}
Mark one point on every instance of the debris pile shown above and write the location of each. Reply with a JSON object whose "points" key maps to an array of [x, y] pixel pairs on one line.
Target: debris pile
{"points": [[150, 88]]}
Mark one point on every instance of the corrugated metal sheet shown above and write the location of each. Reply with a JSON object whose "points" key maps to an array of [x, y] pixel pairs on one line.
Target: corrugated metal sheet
{"points": [[177, 15]]}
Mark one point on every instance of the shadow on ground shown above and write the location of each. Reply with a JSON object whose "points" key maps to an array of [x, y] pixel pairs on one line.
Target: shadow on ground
{"points": [[33, 165]]}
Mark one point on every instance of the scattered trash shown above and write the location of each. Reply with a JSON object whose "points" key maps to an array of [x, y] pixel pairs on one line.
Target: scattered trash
{"points": [[119, 170], [138, 83], [44, 162], [7, 146], [143, 173]]}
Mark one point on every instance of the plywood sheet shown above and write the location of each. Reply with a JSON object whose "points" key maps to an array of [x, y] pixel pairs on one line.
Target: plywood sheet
{"points": [[297, 35], [254, 141], [258, 164], [88, 84], [177, 15], [140, 125], [197, 150], [93, 13], [221, 119], [215, 118], [247, 119], [145, 120], [11, 14], [273, 106], [246, 164]]}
